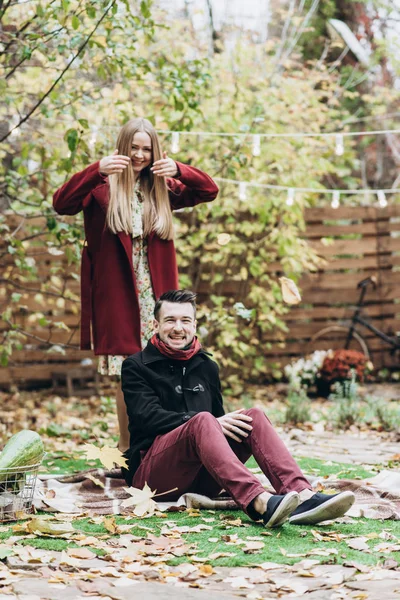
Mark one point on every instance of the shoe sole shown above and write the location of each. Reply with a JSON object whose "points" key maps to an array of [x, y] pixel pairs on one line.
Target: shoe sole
{"points": [[289, 503], [331, 509]]}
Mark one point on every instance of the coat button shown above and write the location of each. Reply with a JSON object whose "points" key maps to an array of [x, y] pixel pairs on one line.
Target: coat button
{"points": [[186, 417]]}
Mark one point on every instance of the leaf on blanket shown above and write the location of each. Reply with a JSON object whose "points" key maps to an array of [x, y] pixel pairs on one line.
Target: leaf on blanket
{"points": [[95, 480], [141, 500], [106, 455]]}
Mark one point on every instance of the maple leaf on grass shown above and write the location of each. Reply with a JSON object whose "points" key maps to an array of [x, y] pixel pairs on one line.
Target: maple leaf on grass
{"points": [[106, 455], [142, 500]]}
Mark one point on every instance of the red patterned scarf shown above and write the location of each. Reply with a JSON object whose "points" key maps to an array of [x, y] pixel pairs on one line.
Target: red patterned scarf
{"points": [[183, 354]]}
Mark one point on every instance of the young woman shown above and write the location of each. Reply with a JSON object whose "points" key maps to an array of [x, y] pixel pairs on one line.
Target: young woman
{"points": [[128, 258]]}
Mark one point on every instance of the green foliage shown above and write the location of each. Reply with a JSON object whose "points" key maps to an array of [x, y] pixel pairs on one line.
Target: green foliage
{"points": [[347, 402], [388, 415], [298, 409]]}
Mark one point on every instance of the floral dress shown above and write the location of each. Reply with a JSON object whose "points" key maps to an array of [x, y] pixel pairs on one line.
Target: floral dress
{"points": [[109, 364]]}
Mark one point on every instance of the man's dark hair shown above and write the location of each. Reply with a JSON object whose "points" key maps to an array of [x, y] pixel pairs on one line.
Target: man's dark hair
{"points": [[178, 296]]}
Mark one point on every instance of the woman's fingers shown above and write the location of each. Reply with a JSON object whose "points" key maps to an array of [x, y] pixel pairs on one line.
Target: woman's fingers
{"points": [[164, 167], [159, 164], [115, 163]]}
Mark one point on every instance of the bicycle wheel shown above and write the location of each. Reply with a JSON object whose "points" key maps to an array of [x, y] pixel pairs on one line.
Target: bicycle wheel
{"points": [[334, 337]]}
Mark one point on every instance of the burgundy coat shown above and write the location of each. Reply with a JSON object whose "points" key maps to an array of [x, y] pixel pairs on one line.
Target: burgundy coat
{"points": [[109, 298]]}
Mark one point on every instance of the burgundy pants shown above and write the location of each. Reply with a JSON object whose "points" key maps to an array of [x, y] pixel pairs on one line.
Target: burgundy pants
{"points": [[197, 457]]}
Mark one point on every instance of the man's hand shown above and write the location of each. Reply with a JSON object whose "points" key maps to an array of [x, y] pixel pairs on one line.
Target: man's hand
{"points": [[236, 425], [165, 167]]}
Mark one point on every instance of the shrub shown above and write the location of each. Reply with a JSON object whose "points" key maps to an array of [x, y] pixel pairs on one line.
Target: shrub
{"points": [[298, 406], [388, 416], [347, 401]]}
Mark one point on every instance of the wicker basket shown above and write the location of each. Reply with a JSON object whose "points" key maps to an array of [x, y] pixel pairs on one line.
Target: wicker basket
{"points": [[17, 486]]}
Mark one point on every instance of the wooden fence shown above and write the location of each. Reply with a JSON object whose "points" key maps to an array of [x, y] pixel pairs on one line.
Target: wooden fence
{"points": [[354, 241]]}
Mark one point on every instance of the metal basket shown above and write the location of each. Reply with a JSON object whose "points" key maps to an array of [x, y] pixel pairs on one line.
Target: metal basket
{"points": [[17, 486]]}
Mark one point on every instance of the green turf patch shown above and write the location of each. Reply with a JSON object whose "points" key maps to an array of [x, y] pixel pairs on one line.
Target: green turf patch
{"points": [[321, 468], [286, 545], [61, 463], [224, 537], [313, 466]]}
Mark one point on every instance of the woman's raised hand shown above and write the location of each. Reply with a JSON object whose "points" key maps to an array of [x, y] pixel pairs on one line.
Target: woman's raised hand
{"points": [[115, 163], [165, 167]]}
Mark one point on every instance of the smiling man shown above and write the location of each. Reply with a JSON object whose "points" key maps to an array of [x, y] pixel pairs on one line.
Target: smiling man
{"points": [[182, 440]]}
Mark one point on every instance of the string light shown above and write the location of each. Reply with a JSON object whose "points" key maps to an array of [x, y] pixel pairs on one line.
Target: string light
{"points": [[242, 190], [314, 190], [256, 145], [381, 198], [93, 137], [317, 134], [175, 142], [292, 191], [339, 147], [290, 197], [299, 134], [335, 199]]}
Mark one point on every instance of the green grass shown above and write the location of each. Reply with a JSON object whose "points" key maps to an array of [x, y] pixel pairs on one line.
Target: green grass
{"points": [[320, 468], [59, 462], [313, 466], [289, 539]]}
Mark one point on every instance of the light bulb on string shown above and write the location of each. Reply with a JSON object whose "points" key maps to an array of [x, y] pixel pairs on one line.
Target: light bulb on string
{"points": [[290, 197], [175, 142], [242, 190], [381, 198], [335, 199], [256, 145], [339, 144], [93, 137]]}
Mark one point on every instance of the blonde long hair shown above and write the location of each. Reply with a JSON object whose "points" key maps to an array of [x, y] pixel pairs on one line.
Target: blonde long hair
{"points": [[157, 215]]}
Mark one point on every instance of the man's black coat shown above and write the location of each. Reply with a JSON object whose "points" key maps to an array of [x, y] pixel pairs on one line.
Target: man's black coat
{"points": [[162, 394]]}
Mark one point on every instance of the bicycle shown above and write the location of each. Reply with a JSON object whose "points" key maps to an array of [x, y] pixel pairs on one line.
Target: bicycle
{"points": [[345, 335]]}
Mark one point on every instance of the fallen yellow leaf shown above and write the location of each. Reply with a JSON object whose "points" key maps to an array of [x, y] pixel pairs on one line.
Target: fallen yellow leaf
{"points": [[108, 456], [290, 293]]}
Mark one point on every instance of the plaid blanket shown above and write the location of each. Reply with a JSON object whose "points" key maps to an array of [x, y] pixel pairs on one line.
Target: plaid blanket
{"points": [[101, 492]]}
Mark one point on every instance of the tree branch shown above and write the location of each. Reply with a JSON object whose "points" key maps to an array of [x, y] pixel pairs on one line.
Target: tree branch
{"points": [[3, 10], [36, 291], [55, 83], [39, 339]]}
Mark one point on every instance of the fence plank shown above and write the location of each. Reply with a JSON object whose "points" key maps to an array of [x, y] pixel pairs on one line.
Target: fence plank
{"points": [[366, 213]]}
